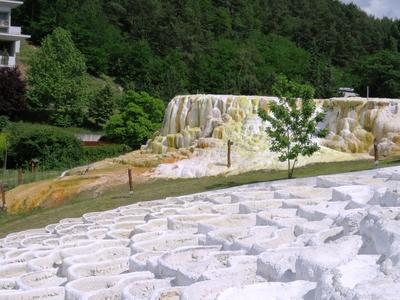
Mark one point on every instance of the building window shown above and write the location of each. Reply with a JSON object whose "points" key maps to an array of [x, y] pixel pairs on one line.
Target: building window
{"points": [[4, 20], [7, 47]]}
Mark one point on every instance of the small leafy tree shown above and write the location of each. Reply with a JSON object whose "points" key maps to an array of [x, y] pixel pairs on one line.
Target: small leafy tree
{"points": [[57, 80], [293, 122], [139, 117]]}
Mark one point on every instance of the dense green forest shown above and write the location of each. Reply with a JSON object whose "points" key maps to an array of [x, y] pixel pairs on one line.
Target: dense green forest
{"points": [[169, 47]]}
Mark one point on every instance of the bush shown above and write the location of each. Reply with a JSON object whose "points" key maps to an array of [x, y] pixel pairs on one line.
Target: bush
{"points": [[97, 153], [4, 122], [140, 116], [53, 147], [101, 107], [12, 92]]}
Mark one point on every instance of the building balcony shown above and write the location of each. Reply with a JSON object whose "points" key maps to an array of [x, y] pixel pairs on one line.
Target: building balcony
{"points": [[13, 33], [14, 30], [11, 63]]}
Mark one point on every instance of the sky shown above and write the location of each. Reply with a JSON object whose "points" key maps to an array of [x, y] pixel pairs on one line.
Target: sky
{"points": [[379, 8]]}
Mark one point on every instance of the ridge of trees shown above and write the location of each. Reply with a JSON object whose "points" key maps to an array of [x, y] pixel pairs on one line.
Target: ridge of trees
{"points": [[169, 47]]}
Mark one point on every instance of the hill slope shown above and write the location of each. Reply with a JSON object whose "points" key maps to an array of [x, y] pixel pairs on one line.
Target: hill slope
{"points": [[225, 46]]}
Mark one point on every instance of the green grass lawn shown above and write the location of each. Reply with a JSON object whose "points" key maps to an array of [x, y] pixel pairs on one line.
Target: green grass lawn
{"points": [[159, 189]]}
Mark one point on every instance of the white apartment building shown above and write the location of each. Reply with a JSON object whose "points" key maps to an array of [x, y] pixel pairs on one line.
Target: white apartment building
{"points": [[10, 36]]}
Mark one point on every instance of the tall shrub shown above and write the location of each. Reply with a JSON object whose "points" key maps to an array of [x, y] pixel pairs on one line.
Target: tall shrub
{"points": [[139, 117], [57, 80], [12, 92]]}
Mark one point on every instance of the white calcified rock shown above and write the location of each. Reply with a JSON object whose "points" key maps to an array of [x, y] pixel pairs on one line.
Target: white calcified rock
{"points": [[55, 293], [314, 261], [331, 237], [144, 289], [274, 290], [205, 123]]}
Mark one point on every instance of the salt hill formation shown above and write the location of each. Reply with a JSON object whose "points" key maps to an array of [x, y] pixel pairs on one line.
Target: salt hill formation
{"points": [[204, 124], [330, 237]]}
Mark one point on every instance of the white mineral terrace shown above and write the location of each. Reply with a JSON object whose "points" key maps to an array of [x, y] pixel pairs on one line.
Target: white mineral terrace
{"points": [[205, 123], [330, 237]]}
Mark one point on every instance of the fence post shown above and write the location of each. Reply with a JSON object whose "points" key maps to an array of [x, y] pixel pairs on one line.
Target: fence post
{"points": [[230, 143], [376, 153], [3, 196], [130, 182]]}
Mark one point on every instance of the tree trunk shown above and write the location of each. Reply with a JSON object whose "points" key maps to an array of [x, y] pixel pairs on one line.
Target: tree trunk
{"points": [[292, 169], [5, 162]]}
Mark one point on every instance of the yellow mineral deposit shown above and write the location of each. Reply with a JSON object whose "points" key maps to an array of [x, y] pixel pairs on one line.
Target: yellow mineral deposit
{"points": [[353, 123]]}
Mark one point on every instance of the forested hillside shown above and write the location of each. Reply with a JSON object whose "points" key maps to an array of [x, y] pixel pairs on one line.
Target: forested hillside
{"points": [[169, 47]]}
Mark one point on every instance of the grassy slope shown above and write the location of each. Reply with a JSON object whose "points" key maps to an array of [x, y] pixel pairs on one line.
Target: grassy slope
{"points": [[158, 189]]}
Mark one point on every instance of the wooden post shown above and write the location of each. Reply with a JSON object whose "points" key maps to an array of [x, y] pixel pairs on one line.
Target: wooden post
{"points": [[130, 182], [20, 176], [34, 163], [3, 196], [376, 154], [230, 144]]}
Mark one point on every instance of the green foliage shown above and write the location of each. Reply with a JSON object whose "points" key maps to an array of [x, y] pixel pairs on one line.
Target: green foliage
{"points": [[97, 153], [3, 143], [151, 106], [12, 92], [93, 35], [293, 122], [53, 147], [101, 107], [4, 139], [57, 80], [4, 123], [174, 47], [139, 117], [381, 72]]}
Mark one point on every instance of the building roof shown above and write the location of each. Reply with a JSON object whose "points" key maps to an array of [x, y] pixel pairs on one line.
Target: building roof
{"points": [[93, 138], [10, 3], [13, 37]]}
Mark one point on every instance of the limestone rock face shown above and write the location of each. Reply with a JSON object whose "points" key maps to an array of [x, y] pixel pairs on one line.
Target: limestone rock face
{"points": [[353, 123], [188, 118], [205, 123]]}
